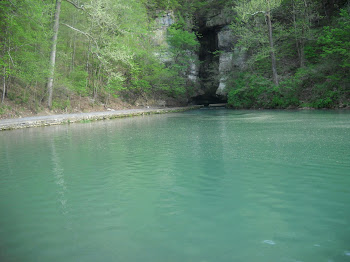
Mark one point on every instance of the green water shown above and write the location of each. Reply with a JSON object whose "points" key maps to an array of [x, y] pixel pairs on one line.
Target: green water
{"points": [[205, 185]]}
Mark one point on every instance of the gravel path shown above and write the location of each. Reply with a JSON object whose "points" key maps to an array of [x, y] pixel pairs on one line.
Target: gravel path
{"points": [[16, 123]]}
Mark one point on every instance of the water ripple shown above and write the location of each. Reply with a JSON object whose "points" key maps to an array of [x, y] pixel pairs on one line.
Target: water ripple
{"points": [[200, 186]]}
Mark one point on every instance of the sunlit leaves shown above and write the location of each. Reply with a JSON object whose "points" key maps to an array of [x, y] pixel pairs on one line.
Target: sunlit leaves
{"points": [[247, 9]]}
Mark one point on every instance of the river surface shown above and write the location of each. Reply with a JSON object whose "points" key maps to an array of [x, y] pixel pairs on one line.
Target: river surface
{"points": [[205, 185]]}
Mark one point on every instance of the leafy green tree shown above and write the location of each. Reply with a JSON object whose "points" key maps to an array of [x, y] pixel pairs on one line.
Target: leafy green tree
{"points": [[23, 45], [335, 41], [247, 12], [297, 17]]}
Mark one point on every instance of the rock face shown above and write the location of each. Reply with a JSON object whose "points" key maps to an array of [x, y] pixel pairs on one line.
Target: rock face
{"points": [[167, 19], [229, 56], [226, 39], [225, 66], [163, 22], [218, 54], [216, 18], [194, 72], [226, 43]]}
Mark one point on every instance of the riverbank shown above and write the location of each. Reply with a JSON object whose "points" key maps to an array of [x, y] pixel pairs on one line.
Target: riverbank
{"points": [[17, 123]]}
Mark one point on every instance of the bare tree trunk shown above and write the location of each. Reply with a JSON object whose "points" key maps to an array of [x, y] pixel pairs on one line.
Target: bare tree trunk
{"points": [[305, 30], [302, 54], [4, 72], [295, 29], [98, 74], [272, 51], [88, 80], [95, 83], [4, 87], [299, 40], [53, 52], [74, 46], [73, 53]]}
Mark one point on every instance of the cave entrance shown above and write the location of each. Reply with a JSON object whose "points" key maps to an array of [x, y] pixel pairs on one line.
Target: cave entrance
{"points": [[209, 74]]}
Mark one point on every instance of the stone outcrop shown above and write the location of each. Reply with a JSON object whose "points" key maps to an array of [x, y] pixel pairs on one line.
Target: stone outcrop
{"points": [[162, 24], [216, 18], [226, 39], [230, 57], [218, 55], [225, 66], [193, 72]]}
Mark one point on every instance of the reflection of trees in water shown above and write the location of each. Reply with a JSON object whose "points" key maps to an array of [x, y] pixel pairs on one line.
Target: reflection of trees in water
{"points": [[7, 159], [58, 172]]}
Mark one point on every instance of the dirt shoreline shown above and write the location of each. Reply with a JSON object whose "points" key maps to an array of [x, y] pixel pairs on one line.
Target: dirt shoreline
{"points": [[36, 121]]}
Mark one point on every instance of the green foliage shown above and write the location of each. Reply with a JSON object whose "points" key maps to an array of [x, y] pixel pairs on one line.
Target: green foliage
{"points": [[115, 86], [162, 5], [61, 105], [85, 121], [23, 43], [315, 89], [256, 33], [314, 61], [3, 109], [249, 91], [247, 9], [78, 78], [181, 40], [254, 91], [183, 48], [335, 41], [330, 74], [312, 52]]}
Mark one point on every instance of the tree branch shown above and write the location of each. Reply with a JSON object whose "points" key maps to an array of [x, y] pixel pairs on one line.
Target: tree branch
{"points": [[75, 5], [257, 12], [88, 36], [11, 58], [15, 47], [12, 3], [79, 31]]}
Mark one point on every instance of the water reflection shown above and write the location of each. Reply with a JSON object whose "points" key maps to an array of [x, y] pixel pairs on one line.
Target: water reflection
{"points": [[58, 172]]}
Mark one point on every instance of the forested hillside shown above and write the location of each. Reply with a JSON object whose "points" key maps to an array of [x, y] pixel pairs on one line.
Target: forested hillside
{"points": [[299, 54], [63, 54], [106, 50]]}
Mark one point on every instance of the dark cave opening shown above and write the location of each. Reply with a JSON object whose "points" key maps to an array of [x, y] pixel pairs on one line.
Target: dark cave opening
{"points": [[209, 75]]}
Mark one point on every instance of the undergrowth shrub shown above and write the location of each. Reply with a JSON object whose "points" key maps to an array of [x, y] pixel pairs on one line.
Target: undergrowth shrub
{"points": [[254, 91]]}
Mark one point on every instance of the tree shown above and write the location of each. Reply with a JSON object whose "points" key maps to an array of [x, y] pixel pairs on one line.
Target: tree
{"points": [[23, 47], [300, 13], [335, 41], [247, 11], [53, 52]]}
